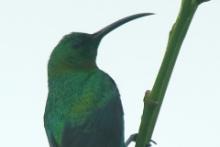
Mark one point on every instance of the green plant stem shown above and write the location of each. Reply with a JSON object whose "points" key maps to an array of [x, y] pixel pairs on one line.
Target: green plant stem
{"points": [[154, 99]]}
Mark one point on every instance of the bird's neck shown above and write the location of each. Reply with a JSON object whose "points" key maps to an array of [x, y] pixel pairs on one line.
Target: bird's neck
{"points": [[59, 69]]}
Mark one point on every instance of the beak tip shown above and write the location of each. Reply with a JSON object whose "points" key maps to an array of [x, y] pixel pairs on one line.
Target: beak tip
{"points": [[101, 33], [148, 14]]}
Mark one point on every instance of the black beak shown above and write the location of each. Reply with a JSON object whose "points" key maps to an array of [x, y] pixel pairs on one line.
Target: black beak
{"points": [[101, 33]]}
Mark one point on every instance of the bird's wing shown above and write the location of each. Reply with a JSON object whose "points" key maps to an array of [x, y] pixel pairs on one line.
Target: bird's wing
{"points": [[104, 127]]}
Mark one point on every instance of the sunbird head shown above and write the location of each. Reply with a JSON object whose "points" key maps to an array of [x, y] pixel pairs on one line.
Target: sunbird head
{"points": [[78, 50]]}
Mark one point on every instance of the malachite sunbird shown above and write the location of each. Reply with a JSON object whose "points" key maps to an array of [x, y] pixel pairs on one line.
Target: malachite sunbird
{"points": [[83, 106]]}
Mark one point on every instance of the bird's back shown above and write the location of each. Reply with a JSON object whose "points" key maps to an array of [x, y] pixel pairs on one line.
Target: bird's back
{"points": [[84, 110]]}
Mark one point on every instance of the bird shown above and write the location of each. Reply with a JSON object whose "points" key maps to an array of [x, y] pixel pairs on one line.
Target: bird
{"points": [[83, 107]]}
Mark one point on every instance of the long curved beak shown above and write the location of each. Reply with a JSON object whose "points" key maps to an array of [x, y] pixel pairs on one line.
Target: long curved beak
{"points": [[101, 33]]}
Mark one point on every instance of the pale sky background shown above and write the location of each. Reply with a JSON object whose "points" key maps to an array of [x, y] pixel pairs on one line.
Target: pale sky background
{"points": [[132, 54]]}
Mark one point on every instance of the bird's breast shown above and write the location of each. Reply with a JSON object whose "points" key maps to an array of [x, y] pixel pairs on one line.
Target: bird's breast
{"points": [[76, 96]]}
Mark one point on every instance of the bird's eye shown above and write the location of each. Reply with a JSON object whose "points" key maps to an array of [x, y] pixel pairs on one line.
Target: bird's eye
{"points": [[77, 44]]}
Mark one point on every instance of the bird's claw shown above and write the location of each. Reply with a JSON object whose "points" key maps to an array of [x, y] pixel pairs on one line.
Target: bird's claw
{"points": [[133, 137]]}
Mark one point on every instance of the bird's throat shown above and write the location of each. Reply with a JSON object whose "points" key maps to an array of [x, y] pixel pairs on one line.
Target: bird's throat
{"points": [[59, 69]]}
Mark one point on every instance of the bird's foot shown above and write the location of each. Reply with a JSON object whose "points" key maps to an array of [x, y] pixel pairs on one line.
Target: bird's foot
{"points": [[133, 137], [150, 144]]}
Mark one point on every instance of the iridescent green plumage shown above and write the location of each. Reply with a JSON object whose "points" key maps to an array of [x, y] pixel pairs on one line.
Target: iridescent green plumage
{"points": [[83, 106]]}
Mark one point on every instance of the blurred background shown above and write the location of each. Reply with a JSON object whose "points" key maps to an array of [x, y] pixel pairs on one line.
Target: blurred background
{"points": [[132, 54]]}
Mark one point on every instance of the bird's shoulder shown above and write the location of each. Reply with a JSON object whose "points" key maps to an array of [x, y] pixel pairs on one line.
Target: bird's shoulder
{"points": [[101, 86], [102, 78]]}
